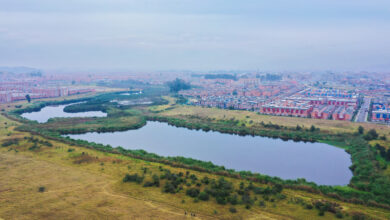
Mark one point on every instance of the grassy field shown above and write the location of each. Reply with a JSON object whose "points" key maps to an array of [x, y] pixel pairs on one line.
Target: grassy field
{"points": [[80, 183]]}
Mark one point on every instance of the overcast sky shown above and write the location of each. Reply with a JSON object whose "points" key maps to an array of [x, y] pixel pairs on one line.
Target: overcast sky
{"points": [[196, 34]]}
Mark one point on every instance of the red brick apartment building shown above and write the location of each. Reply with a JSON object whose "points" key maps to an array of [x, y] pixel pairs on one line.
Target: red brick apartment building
{"points": [[287, 108]]}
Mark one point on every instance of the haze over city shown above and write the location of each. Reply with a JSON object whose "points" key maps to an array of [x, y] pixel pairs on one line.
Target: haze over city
{"points": [[302, 35]]}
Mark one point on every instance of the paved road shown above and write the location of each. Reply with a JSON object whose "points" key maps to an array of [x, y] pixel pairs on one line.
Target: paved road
{"points": [[363, 111]]}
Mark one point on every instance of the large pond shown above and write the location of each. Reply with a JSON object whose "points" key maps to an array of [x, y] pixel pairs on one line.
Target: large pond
{"points": [[321, 163], [48, 112]]}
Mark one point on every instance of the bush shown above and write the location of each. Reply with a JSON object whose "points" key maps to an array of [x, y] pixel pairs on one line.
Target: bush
{"points": [[232, 210], [41, 189], [339, 215], [371, 135], [193, 192], [148, 184], [133, 178], [205, 180], [221, 200], [204, 196], [361, 130], [233, 199], [10, 142], [262, 203], [358, 216], [169, 188], [156, 180]]}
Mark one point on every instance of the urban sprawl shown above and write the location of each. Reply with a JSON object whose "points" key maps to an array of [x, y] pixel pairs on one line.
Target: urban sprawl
{"points": [[329, 96]]}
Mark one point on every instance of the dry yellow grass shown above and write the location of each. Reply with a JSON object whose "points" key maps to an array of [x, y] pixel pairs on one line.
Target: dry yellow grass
{"points": [[70, 193]]}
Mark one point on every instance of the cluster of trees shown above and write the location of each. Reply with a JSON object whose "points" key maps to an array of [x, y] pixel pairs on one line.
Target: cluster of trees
{"points": [[269, 77], [370, 135], [38, 141], [133, 178], [223, 191], [178, 84], [383, 152], [85, 107], [220, 76], [10, 142]]}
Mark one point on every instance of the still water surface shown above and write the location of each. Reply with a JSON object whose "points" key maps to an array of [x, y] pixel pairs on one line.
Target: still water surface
{"points": [[321, 163], [48, 112]]}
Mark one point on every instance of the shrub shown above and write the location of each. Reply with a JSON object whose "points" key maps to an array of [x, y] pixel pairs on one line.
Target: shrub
{"points": [[233, 199], [10, 142], [339, 215], [169, 188], [133, 178], [193, 192], [193, 177], [371, 135], [148, 184], [221, 200], [262, 203], [232, 210], [204, 196], [156, 180], [205, 180], [361, 130], [358, 216], [41, 189], [308, 206]]}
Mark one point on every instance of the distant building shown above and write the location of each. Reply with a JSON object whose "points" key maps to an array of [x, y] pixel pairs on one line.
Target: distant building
{"points": [[380, 110], [5, 97], [287, 108]]}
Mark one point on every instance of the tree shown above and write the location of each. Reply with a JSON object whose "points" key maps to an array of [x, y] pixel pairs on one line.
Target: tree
{"points": [[28, 98], [361, 130], [204, 196], [193, 192], [371, 135], [178, 84]]}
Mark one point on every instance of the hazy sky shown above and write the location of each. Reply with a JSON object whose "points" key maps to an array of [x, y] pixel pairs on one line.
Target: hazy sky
{"points": [[196, 34]]}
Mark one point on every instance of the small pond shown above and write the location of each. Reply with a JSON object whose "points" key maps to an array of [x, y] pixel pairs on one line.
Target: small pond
{"points": [[57, 111]]}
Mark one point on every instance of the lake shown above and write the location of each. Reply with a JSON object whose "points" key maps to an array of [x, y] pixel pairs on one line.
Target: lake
{"points": [[48, 112], [321, 163]]}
